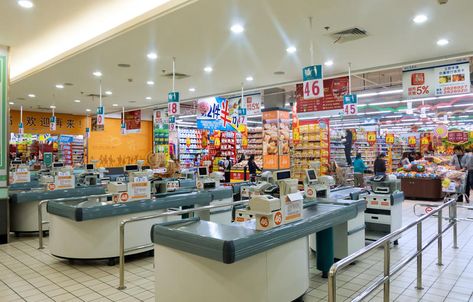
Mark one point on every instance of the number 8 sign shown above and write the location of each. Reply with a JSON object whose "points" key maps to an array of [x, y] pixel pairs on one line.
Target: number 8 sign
{"points": [[173, 103]]}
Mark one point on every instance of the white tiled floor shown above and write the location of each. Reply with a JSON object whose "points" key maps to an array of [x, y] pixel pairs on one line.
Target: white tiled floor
{"points": [[28, 274]]}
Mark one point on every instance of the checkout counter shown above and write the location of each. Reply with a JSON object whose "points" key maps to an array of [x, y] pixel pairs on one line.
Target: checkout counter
{"points": [[24, 205], [214, 261]]}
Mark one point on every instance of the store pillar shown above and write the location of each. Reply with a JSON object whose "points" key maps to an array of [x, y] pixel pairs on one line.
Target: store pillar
{"points": [[4, 217]]}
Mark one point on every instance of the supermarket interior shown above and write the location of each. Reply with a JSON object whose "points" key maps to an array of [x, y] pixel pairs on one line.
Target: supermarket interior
{"points": [[236, 150]]}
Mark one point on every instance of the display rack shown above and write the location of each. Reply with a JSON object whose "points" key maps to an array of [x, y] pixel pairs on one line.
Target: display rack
{"points": [[255, 144], [190, 145]]}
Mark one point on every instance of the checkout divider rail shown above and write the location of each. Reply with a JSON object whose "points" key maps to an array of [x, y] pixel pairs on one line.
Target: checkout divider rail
{"points": [[42, 222], [384, 242], [123, 223]]}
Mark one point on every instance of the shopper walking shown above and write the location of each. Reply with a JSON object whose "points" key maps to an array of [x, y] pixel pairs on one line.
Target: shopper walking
{"points": [[227, 166], [405, 159], [252, 168], [458, 159], [359, 168], [380, 165], [348, 144]]}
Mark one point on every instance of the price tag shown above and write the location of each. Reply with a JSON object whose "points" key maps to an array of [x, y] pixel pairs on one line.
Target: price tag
{"points": [[389, 138], [350, 104], [313, 82], [100, 116], [412, 141], [173, 103]]}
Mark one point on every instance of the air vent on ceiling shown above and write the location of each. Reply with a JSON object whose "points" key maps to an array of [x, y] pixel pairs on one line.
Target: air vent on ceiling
{"points": [[348, 35], [95, 95], [43, 108], [179, 76], [124, 65]]}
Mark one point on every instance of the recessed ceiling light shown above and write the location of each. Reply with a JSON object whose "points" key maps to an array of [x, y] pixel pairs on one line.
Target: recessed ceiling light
{"points": [[249, 78], [31, 95], [192, 89], [59, 86], [11, 103], [76, 101], [152, 56], [97, 73], [150, 83], [115, 105], [208, 69], [52, 107], [88, 110], [442, 42], [328, 63], [291, 49], [25, 3], [148, 98], [237, 28], [420, 19], [108, 92]]}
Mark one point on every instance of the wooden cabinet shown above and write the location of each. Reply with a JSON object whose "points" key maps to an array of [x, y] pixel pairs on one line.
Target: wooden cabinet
{"points": [[422, 188]]}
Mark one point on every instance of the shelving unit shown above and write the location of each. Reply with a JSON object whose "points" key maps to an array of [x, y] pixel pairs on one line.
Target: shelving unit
{"points": [[161, 138], [255, 145], [188, 153]]}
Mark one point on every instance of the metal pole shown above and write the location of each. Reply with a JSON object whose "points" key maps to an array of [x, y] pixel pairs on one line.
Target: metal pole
{"points": [[454, 217], [40, 223], [419, 256], [122, 255], [439, 240], [387, 265], [332, 286]]}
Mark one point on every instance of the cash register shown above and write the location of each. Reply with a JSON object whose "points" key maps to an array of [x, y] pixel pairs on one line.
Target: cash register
{"points": [[313, 187], [277, 177], [203, 180], [90, 177]]}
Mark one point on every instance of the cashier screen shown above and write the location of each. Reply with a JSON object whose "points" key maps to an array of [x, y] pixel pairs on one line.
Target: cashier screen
{"points": [[311, 175], [202, 171], [283, 175], [131, 168]]}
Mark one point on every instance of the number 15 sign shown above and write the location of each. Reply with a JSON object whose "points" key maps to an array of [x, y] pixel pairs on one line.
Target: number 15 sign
{"points": [[313, 82]]}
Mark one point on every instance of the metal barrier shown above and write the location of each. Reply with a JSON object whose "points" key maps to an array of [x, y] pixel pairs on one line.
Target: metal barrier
{"points": [[123, 223], [385, 243], [45, 201]]}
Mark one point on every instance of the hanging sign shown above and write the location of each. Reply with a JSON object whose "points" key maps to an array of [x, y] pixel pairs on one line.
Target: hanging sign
{"points": [[434, 80], [100, 116], [389, 138], [350, 104], [441, 131], [52, 123], [133, 121], [215, 113], [457, 137], [87, 132], [172, 123], [21, 129], [253, 104], [332, 101], [313, 82], [412, 141], [173, 103], [123, 128], [371, 137]]}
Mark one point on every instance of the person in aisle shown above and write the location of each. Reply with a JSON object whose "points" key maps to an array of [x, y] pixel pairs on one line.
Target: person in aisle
{"points": [[227, 166], [242, 158], [418, 156], [359, 168], [469, 176], [348, 144], [197, 160], [380, 165], [252, 168], [412, 156], [458, 159], [405, 159]]}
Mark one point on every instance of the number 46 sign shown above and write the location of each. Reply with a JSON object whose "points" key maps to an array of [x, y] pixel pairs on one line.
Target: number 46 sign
{"points": [[350, 104], [313, 82]]}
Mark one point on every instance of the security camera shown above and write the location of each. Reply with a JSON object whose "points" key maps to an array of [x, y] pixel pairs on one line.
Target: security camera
{"points": [[443, 1]]}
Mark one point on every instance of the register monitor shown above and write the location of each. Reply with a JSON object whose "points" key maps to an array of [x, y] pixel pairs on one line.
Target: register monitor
{"points": [[203, 172], [311, 175], [58, 165], [280, 175], [90, 167], [131, 168]]}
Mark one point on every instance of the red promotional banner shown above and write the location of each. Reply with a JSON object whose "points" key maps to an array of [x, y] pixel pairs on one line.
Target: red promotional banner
{"points": [[133, 121], [334, 90], [457, 137]]}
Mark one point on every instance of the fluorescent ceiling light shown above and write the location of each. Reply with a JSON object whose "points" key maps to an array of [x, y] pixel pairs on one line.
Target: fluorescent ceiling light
{"points": [[192, 89], [440, 107], [394, 116], [419, 19], [253, 116], [255, 122], [31, 95], [377, 112], [249, 78], [152, 56], [52, 107], [237, 28], [291, 49], [88, 110], [365, 95], [97, 73], [462, 105], [442, 42], [395, 91], [187, 116], [150, 83], [108, 92], [11, 103], [25, 3], [328, 63], [59, 86], [115, 105], [362, 105], [384, 103], [208, 69], [76, 101], [148, 98]]}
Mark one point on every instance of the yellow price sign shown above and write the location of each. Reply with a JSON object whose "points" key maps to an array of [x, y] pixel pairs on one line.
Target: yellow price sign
{"points": [[296, 136], [389, 138], [412, 140], [424, 141], [371, 137]]}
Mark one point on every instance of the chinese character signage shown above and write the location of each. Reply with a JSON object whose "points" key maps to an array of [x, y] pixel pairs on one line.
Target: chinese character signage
{"points": [[457, 137], [313, 83], [429, 81], [330, 103], [253, 104], [215, 113], [133, 121]]}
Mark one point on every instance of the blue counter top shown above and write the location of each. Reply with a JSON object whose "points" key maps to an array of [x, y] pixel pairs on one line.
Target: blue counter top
{"points": [[231, 243], [32, 196]]}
